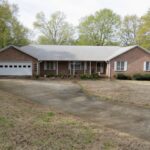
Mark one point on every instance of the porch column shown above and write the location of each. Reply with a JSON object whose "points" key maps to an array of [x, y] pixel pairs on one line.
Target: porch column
{"points": [[37, 70], [90, 67], [69, 66], [57, 68], [73, 68], [96, 66], [84, 67]]}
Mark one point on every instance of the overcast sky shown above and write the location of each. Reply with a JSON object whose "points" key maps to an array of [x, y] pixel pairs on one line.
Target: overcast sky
{"points": [[75, 9]]}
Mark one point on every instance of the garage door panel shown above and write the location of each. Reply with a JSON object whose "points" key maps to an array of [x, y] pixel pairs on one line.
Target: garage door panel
{"points": [[16, 68]]}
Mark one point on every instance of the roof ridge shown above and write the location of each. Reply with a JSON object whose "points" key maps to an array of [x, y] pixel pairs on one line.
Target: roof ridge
{"points": [[73, 45]]}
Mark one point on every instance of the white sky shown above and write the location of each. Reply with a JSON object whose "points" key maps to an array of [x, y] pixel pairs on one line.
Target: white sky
{"points": [[75, 9]]}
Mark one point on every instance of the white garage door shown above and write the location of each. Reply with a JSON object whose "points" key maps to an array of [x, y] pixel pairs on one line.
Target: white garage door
{"points": [[16, 68]]}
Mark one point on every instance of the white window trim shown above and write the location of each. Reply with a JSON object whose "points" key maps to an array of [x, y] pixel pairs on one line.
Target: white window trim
{"points": [[74, 67], [145, 68], [125, 68], [46, 65]]}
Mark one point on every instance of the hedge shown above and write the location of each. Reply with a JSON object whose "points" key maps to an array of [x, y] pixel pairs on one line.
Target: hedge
{"points": [[122, 76], [141, 77], [94, 76]]}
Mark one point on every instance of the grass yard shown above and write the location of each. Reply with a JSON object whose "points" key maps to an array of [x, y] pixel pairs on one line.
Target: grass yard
{"points": [[130, 92], [28, 126]]}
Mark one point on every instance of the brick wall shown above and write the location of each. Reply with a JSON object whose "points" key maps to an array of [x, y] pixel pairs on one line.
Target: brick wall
{"points": [[135, 58]]}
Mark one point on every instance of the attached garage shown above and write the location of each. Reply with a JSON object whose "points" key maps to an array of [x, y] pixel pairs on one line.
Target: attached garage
{"points": [[16, 68], [14, 62]]}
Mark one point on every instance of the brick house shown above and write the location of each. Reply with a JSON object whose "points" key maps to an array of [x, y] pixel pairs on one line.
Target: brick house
{"points": [[73, 60]]}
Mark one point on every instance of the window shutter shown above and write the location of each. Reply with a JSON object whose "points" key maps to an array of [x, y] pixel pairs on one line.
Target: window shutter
{"points": [[125, 66], [115, 66], [145, 66], [45, 65]]}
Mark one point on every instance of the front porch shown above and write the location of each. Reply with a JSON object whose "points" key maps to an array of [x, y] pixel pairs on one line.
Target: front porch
{"points": [[72, 68]]}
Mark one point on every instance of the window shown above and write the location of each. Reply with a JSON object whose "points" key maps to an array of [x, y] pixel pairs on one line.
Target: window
{"points": [[76, 65], [121, 66], [15, 66], [10, 66], [147, 66], [29, 66], [20, 66], [6, 66], [1, 66], [49, 66], [24, 66]]}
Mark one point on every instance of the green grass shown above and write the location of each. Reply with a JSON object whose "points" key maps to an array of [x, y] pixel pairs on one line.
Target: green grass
{"points": [[109, 145], [47, 116], [5, 122]]}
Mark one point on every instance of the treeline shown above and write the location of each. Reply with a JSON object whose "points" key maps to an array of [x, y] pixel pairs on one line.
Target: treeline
{"points": [[105, 27]]}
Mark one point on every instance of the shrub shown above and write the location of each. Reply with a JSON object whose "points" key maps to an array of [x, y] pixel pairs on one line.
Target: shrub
{"points": [[141, 77], [95, 76], [122, 76], [84, 76], [61, 75], [91, 77], [36, 76], [50, 75]]}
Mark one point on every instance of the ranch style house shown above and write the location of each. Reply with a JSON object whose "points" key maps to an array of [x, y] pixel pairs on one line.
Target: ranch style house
{"points": [[43, 60]]}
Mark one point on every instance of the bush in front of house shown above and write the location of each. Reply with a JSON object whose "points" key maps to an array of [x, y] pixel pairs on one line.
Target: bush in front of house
{"points": [[36, 76], [93, 76], [145, 77], [121, 76], [51, 75], [84, 76]]}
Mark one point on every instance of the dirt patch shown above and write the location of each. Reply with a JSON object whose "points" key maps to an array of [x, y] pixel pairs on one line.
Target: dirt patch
{"points": [[130, 92], [27, 125]]}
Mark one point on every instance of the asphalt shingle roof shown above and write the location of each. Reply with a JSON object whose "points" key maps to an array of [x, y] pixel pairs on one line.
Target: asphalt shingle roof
{"points": [[74, 53]]}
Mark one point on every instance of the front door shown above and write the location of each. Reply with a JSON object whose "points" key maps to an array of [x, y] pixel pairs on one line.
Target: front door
{"points": [[100, 67]]}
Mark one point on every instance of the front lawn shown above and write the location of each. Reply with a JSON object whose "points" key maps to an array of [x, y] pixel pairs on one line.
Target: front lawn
{"points": [[28, 126], [130, 92]]}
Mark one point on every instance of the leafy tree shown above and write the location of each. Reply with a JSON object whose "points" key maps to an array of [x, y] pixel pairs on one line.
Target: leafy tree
{"points": [[144, 31], [54, 30], [99, 29], [11, 31], [19, 34], [129, 29]]}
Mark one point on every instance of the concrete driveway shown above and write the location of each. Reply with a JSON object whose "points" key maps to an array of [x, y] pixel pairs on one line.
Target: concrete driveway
{"points": [[69, 97]]}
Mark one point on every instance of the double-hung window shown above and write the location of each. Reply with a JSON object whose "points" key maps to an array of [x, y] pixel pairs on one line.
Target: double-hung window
{"points": [[147, 66], [49, 65], [120, 66], [76, 65]]}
